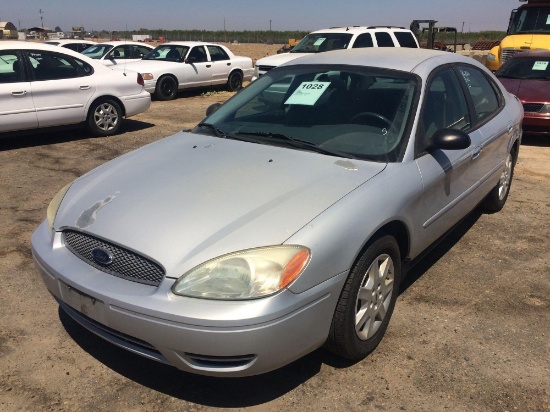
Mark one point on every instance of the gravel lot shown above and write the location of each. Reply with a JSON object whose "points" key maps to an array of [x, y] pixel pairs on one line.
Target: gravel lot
{"points": [[470, 331]]}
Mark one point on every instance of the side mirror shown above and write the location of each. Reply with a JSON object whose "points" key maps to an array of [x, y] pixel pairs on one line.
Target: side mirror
{"points": [[451, 139], [212, 108]]}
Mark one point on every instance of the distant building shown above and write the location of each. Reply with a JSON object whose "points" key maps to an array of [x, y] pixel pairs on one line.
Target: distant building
{"points": [[8, 30]]}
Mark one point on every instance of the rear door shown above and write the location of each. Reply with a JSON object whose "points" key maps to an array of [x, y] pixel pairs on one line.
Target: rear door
{"points": [[17, 110], [492, 120], [221, 64], [62, 86]]}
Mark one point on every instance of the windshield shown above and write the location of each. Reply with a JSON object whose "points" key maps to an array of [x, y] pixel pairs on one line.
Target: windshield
{"points": [[321, 42], [171, 53], [531, 20], [347, 111], [97, 52], [526, 68]]}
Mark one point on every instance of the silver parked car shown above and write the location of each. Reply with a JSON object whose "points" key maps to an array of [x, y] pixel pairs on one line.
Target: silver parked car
{"points": [[287, 218]]}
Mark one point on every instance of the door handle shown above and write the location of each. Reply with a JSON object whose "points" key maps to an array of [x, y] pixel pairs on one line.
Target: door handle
{"points": [[510, 127], [85, 87], [21, 93], [476, 152], [229, 64], [208, 66]]}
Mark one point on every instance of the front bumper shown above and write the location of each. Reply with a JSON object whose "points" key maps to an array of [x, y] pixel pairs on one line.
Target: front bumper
{"points": [[536, 123], [150, 85], [217, 338]]}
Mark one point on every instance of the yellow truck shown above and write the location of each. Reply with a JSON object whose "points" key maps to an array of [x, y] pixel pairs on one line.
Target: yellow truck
{"points": [[528, 29]]}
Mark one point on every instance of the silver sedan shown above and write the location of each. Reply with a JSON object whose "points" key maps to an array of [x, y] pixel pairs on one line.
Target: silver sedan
{"points": [[288, 217]]}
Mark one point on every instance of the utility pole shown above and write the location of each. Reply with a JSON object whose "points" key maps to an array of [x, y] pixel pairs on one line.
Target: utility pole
{"points": [[42, 22], [224, 33]]}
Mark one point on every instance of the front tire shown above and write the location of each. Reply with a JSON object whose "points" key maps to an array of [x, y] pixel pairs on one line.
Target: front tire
{"points": [[105, 118], [235, 82], [166, 89], [495, 200], [367, 300]]}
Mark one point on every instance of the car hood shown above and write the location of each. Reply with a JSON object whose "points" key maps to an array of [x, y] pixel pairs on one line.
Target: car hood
{"points": [[189, 198], [529, 90], [278, 59]]}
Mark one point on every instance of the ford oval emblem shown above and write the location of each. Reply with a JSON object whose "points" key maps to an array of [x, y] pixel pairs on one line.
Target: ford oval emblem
{"points": [[102, 256]]}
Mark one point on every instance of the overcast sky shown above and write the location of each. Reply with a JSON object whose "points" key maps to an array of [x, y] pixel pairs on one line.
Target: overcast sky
{"points": [[303, 15]]}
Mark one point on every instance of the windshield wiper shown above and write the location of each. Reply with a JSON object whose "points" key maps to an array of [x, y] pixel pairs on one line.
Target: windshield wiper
{"points": [[302, 144], [217, 132]]}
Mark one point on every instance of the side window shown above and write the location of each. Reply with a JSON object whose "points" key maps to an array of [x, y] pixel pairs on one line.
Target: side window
{"points": [[52, 66], [85, 68], [384, 39], [445, 107], [363, 40], [197, 55], [11, 69], [72, 46], [139, 51], [119, 52], [217, 53], [484, 97], [405, 39]]}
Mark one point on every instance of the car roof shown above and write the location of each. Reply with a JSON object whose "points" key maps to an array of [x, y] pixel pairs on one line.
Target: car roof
{"points": [[359, 29], [189, 43], [61, 41], [25, 45], [122, 42], [395, 58]]}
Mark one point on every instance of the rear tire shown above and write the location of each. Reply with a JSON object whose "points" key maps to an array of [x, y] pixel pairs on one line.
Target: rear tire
{"points": [[495, 200], [105, 117], [235, 82], [367, 300], [166, 89]]}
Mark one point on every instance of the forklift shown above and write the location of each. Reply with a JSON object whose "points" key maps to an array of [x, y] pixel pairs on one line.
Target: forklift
{"points": [[421, 31]]}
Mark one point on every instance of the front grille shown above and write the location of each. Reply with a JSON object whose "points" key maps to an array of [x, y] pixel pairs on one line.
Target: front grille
{"points": [[507, 54], [265, 68], [532, 107], [125, 263]]}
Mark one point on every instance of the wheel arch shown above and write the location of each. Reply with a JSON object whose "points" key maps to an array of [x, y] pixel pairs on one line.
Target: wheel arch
{"points": [[173, 76], [106, 97], [395, 228]]}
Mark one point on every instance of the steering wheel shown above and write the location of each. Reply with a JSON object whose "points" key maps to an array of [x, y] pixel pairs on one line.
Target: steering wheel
{"points": [[365, 115]]}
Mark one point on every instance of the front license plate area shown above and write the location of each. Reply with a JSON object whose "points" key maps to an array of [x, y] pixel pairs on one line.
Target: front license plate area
{"points": [[85, 304]]}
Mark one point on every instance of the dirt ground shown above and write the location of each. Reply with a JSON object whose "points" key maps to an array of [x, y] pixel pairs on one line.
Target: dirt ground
{"points": [[470, 331]]}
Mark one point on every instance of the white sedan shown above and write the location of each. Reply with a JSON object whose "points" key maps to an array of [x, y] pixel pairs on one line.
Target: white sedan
{"points": [[71, 44], [44, 86], [117, 52], [175, 66]]}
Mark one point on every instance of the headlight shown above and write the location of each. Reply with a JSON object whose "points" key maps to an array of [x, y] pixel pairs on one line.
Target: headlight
{"points": [[54, 205], [491, 57], [247, 274], [147, 76]]}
